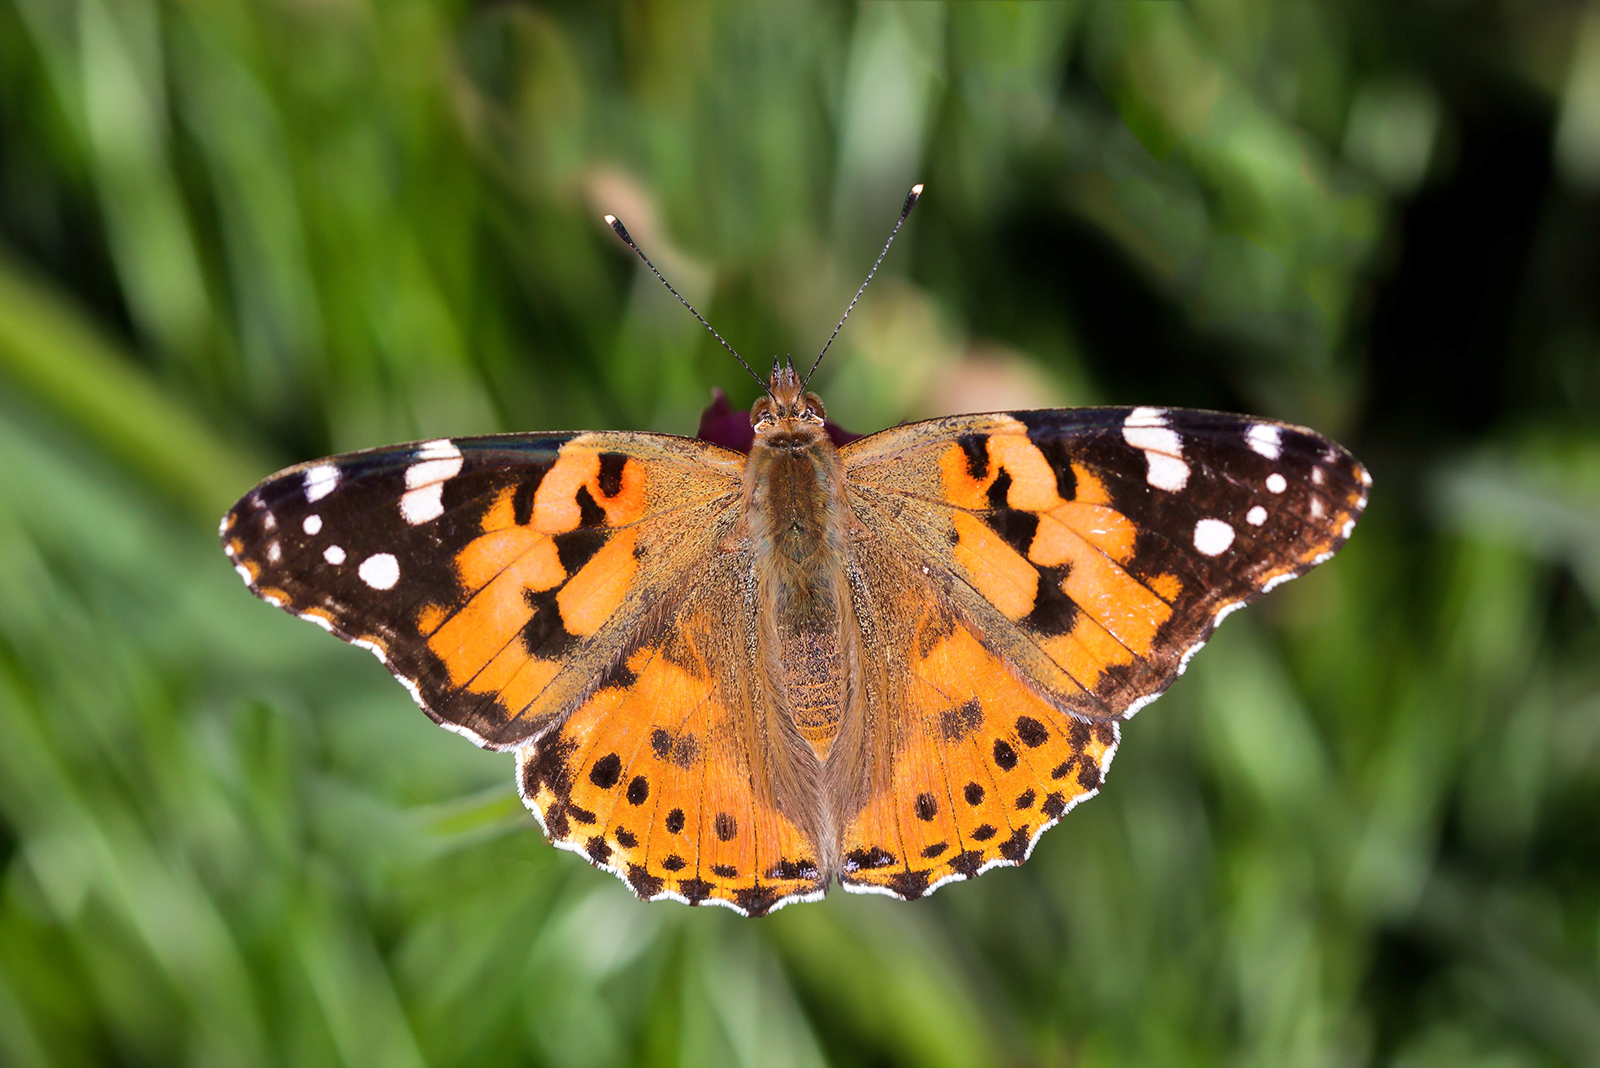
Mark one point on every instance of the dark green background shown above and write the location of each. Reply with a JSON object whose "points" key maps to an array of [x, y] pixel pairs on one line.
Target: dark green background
{"points": [[1364, 829]]}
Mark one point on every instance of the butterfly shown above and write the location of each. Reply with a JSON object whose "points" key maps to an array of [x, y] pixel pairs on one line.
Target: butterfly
{"points": [[734, 678]]}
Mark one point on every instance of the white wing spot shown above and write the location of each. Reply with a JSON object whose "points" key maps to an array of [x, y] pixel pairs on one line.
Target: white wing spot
{"points": [[419, 506], [269, 522], [1349, 527], [244, 573], [437, 463], [1212, 537], [1166, 472], [1150, 433], [321, 480], [1265, 439], [1277, 483], [1146, 429], [1316, 507], [274, 553], [312, 524], [441, 449], [380, 572], [1256, 516], [335, 556], [1366, 478], [1316, 475]]}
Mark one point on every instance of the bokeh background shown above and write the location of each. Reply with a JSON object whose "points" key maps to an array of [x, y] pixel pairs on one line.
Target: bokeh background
{"points": [[234, 234]]}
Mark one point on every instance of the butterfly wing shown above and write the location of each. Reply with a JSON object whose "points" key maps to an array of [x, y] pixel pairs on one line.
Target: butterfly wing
{"points": [[572, 597], [665, 775], [971, 765], [498, 578], [1097, 548], [1071, 562]]}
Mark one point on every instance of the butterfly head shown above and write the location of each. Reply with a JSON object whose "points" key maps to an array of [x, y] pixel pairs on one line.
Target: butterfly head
{"points": [[788, 415]]}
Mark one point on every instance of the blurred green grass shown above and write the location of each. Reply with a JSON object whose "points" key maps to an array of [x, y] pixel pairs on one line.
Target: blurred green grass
{"points": [[247, 232]]}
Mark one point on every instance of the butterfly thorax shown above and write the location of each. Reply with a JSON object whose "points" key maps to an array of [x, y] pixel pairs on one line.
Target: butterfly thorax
{"points": [[795, 515]]}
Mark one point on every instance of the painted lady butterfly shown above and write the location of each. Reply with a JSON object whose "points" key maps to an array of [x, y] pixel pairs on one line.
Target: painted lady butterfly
{"points": [[733, 678]]}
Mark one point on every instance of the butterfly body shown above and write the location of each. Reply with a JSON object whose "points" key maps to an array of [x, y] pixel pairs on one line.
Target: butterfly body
{"points": [[733, 679], [794, 532]]}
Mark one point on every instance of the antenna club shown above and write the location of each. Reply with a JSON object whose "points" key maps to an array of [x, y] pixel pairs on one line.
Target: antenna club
{"points": [[916, 190], [622, 232]]}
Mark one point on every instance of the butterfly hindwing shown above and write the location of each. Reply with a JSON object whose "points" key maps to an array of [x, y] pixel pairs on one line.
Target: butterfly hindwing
{"points": [[1095, 549], [974, 765], [660, 776], [497, 577]]}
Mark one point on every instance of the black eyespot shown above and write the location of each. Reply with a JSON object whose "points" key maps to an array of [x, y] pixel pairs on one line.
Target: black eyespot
{"points": [[1032, 732], [606, 771]]}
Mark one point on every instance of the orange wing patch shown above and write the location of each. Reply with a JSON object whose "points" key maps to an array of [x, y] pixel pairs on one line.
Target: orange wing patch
{"points": [[588, 600], [995, 569], [618, 491], [981, 767]]}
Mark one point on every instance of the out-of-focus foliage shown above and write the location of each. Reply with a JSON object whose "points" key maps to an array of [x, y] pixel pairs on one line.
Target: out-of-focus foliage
{"points": [[236, 233]]}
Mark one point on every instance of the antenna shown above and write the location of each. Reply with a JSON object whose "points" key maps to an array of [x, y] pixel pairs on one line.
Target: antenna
{"points": [[911, 202], [622, 232]]}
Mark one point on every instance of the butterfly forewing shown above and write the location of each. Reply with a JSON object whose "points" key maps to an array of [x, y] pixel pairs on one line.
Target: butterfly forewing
{"points": [[496, 577], [1096, 549]]}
